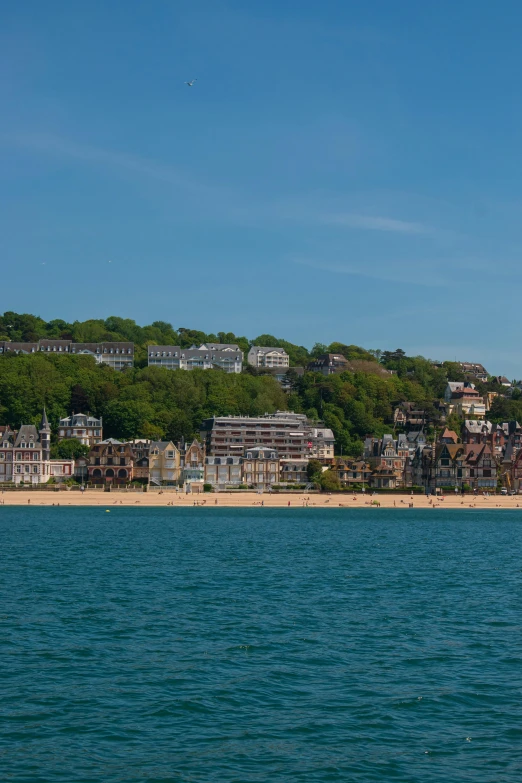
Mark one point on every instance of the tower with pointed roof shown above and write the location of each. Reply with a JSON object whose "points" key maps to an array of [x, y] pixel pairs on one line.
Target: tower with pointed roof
{"points": [[45, 437]]}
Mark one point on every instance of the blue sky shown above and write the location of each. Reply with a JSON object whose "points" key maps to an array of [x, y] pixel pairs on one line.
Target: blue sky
{"points": [[340, 170]]}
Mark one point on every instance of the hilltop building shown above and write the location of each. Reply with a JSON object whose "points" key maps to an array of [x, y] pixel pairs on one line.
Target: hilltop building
{"points": [[329, 364], [118, 355], [214, 356], [260, 356]]}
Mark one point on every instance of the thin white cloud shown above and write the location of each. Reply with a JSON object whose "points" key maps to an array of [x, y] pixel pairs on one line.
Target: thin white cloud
{"points": [[409, 275], [89, 154], [376, 223]]}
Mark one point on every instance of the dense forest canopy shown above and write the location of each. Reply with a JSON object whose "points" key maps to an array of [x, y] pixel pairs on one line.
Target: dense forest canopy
{"points": [[158, 403]]}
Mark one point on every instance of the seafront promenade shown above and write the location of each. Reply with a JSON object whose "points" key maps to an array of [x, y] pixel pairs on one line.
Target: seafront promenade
{"points": [[250, 499]]}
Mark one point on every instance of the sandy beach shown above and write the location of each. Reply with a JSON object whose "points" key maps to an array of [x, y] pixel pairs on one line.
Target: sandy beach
{"points": [[252, 499]]}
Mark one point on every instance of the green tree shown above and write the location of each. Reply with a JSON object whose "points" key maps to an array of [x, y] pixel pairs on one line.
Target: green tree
{"points": [[69, 448], [314, 471], [329, 481]]}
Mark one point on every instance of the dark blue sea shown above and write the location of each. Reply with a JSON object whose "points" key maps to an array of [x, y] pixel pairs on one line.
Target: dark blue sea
{"points": [[231, 646]]}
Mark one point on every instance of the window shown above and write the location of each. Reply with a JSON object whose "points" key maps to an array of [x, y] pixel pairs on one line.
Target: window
{"points": [[22, 445], [2, 455], [35, 468]]}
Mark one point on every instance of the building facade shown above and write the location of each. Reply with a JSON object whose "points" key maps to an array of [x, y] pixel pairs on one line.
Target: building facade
{"points": [[290, 434], [215, 356], [390, 453], [111, 461], [293, 471], [352, 472], [321, 444], [164, 463], [453, 386], [466, 402], [83, 427], [475, 369], [260, 356], [25, 456], [329, 364], [140, 459], [118, 355], [193, 464], [261, 468], [223, 472]]}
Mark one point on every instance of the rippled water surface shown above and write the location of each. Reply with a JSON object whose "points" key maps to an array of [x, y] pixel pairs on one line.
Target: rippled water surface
{"points": [[212, 645]]}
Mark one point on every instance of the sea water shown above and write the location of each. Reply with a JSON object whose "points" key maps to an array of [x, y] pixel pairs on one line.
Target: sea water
{"points": [[215, 645]]}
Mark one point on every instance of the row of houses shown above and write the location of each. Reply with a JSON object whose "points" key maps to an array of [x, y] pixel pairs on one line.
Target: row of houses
{"points": [[165, 464], [265, 451], [258, 452], [481, 457]]}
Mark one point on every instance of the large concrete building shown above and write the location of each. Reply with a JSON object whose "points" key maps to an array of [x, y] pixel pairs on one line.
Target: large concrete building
{"points": [[292, 435]]}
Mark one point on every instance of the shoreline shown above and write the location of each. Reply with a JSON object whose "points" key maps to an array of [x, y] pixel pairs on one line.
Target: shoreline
{"points": [[95, 498]]}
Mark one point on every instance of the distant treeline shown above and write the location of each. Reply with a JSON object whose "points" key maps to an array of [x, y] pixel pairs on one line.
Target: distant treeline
{"points": [[158, 403]]}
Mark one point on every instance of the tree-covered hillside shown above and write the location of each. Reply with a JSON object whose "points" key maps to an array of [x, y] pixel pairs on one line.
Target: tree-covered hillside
{"points": [[159, 403]]}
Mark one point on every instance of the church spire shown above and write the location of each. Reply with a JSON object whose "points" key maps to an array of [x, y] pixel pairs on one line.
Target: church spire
{"points": [[45, 437], [45, 421]]}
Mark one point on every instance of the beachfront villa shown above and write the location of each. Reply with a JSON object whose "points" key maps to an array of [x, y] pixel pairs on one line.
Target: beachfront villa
{"points": [[25, 456]]}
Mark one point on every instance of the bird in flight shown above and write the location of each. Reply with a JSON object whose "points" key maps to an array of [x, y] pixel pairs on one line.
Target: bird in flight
{"points": [[191, 83]]}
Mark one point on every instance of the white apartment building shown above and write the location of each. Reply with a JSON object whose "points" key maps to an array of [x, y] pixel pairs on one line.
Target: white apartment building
{"points": [[321, 444], [215, 356], [114, 354], [259, 356]]}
